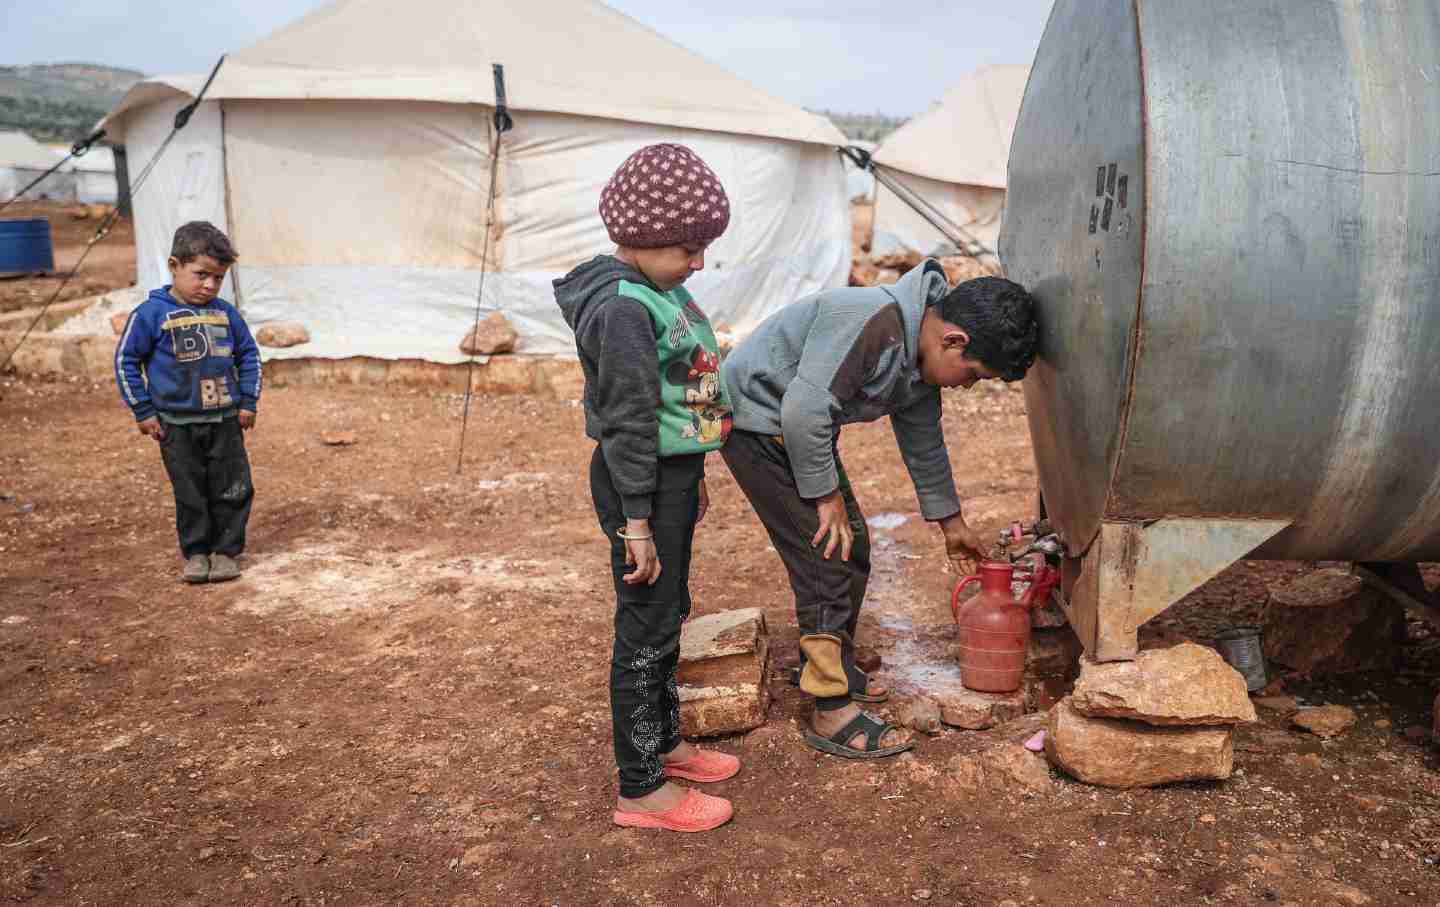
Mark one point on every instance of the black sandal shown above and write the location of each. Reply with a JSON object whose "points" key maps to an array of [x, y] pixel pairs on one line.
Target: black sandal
{"points": [[874, 729]]}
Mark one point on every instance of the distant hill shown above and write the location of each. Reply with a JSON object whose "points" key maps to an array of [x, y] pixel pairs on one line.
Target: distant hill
{"points": [[59, 102], [865, 127]]}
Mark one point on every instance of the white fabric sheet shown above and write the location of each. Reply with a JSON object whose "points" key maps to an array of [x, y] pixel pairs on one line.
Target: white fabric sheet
{"points": [[324, 183], [372, 272]]}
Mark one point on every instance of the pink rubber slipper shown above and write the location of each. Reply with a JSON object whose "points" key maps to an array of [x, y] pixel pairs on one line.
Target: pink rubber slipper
{"points": [[697, 812], [706, 767]]}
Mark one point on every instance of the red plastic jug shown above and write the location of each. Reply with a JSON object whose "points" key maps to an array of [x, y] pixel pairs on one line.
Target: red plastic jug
{"points": [[995, 626]]}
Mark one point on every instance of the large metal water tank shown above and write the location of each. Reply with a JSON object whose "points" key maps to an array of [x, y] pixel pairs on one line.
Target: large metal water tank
{"points": [[1230, 213]]}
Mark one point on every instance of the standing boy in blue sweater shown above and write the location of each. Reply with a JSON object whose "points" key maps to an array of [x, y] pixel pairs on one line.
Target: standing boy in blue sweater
{"points": [[190, 371]]}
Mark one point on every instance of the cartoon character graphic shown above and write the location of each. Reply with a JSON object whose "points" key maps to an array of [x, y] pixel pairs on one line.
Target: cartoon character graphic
{"points": [[709, 420]]}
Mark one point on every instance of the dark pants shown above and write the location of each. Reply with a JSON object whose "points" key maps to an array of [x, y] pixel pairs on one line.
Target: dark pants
{"points": [[644, 704], [828, 593], [211, 476]]}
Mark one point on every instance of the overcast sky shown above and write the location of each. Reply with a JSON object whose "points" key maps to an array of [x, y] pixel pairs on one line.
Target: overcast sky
{"points": [[857, 56]]}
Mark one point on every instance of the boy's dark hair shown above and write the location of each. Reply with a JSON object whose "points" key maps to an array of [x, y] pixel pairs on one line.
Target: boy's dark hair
{"points": [[999, 316], [200, 237]]}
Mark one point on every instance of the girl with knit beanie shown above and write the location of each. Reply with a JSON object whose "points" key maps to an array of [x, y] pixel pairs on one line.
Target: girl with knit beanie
{"points": [[654, 405]]}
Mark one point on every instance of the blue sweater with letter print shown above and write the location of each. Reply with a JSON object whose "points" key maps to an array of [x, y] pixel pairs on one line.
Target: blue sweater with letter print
{"points": [[179, 358]]}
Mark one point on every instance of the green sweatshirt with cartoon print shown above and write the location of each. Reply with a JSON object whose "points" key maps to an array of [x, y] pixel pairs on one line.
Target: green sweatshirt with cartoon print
{"points": [[652, 373]]}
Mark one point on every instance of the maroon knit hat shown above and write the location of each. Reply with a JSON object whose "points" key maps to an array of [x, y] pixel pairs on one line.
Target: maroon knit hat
{"points": [[664, 195]]}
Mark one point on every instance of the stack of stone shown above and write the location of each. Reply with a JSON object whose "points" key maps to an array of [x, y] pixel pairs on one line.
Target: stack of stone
{"points": [[1167, 716], [724, 658]]}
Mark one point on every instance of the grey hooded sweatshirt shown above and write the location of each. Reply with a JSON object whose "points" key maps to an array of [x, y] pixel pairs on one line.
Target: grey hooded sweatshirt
{"points": [[620, 399], [841, 356]]}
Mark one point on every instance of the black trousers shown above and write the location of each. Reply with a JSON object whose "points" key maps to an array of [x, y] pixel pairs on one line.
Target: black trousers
{"points": [[828, 593], [644, 704], [210, 473]]}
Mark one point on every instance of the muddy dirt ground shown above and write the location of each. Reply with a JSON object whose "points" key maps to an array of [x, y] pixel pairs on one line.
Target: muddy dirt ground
{"points": [[110, 265], [404, 702]]}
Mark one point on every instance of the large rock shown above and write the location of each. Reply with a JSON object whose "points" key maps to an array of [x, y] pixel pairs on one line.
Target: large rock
{"points": [[282, 334], [1329, 621], [724, 658], [1326, 720], [490, 337], [976, 711], [1183, 685], [1113, 752]]}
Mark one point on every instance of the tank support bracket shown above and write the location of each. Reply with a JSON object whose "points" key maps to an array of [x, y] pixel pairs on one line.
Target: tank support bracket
{"points": [[1134, 571]]}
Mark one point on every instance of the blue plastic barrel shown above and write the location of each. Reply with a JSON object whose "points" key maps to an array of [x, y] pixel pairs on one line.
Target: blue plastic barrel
{"points": [[25, 245]]}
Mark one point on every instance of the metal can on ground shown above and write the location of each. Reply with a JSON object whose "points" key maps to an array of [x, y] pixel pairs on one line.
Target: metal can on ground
{"points": [[1241, 648]]}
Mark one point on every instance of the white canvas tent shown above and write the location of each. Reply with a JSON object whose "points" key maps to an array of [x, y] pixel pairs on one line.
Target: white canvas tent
{"points": [[348, 156], [94, 175], [22, 160], [954, 157]]}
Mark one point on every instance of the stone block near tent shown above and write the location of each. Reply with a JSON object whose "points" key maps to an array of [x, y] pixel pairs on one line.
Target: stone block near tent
{"points": [[491, 337], [282, 334], [724, 659]]}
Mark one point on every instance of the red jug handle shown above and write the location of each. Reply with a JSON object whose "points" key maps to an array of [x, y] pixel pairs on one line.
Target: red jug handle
{"points": [[1041, 582], [955, 596]]}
